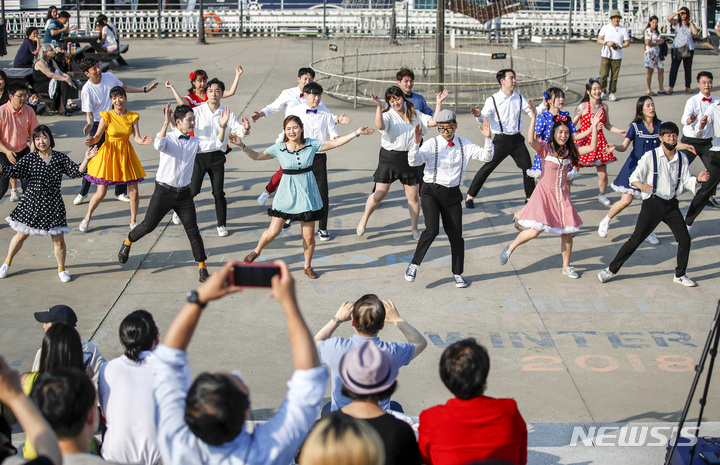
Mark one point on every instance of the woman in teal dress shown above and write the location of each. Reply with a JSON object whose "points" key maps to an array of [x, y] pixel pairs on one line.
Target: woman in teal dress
{"points": [[297, 197]]}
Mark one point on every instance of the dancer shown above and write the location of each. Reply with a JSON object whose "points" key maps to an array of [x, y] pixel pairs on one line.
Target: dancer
{"points": [[445, 158], [550, 208], [397, 124], [172, 181], [590, 105], [662, 174], [643, 133], [298, 195], [117, 162], [41, 211], [196, 93]]}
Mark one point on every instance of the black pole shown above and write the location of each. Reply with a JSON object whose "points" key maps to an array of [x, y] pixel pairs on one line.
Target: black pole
{"points": [[440, 44], [201, 25], [325, 31], [78, 16], [393, 26], [159, 30]]}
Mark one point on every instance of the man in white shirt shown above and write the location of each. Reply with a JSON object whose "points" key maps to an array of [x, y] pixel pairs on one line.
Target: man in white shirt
{"points": [[700, 124], [504, 109], [95, 98], [205, 423], [172, 181], [613, 37], [445, 157], [212, 163], [661, 174]]}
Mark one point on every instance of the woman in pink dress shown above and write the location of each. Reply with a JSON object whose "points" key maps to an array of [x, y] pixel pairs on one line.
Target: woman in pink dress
{"points": [[590, 105], [549, 208]]}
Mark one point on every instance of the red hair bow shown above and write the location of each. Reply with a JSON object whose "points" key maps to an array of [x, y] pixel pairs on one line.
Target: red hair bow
{"points": [[561, 118], [192, 76]]}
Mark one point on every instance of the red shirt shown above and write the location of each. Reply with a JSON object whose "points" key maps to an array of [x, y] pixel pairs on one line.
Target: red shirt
{"points": [[193, 100], [482, 428]]}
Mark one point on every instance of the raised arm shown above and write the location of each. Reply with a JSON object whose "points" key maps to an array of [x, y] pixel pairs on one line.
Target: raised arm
{"points": [[252, 154], [230, 92], [343, 314], [178, 99], [412, 335], [303, 349], [89, 154], [331, 144], [531, 128], [147, 140], [594, 123], [140, 90], [379, 123], [439, 98]]}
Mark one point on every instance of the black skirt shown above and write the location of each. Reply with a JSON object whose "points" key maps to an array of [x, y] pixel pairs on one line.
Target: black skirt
{"points": [[304, 217], [393, 165]]}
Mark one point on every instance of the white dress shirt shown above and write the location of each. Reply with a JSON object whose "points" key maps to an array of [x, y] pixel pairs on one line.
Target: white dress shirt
{"points": [[450, 166], [316, 125], [509, 109], [207, 124], [177, 156], [613, 34], [667, 176], [713, 114], [399, 133], [696, 106], [286, 100]]}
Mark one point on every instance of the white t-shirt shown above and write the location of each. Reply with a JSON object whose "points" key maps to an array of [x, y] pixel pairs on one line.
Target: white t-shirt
{"points": [[399, 134], [96, 97], [614, 34], [110, 40]]}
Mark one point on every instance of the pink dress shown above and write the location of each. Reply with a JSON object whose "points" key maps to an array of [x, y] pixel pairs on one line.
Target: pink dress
{"points": [[549, 208], [598, 157]]}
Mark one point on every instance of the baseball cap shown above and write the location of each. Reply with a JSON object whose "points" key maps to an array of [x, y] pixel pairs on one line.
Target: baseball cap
{"points": [[614, 13], [57, 314], [367, 369]]}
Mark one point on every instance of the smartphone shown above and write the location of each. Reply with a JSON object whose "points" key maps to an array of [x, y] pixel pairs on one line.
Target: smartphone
{"points": [[254, 274]]}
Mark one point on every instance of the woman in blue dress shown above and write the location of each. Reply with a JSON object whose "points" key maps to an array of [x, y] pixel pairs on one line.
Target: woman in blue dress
{"points": [[297, 197], [643, 133]]}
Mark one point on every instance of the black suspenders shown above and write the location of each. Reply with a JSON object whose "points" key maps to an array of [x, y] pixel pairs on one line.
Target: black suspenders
{"points": [[462, 158], [498, 113], [655, 172]]}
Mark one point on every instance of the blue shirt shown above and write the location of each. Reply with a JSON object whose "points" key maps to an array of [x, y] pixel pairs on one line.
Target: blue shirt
{"points": [[331, 351], [24, 57], [54, 24], [544, 124], [273, 442], [419, 103]]}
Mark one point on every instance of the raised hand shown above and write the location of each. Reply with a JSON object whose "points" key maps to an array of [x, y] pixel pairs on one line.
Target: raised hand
{"points": [[342, 119], [152, 85], [366, 131], [442, 96], [168, 85], [235, 139], [485, 128], [239, 70], [255, 116], [245, 123], [147, 140], [225, 116], [691, 119], [168, 114], [476, 112], [418, 134], [531, 107], [90, 153], [703, 121], [344, 313], [377, 101]]}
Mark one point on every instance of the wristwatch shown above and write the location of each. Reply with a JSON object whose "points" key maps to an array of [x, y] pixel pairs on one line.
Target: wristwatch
{"points": [[193, 298], [336, 320]]}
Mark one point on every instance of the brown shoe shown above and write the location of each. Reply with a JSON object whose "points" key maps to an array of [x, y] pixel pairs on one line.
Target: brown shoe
{"points": [[251, 257], [688, 90], [311, 273], [669, 91]]}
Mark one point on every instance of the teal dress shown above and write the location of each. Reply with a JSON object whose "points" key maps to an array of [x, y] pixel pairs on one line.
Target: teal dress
{"points": [[297, 197]]}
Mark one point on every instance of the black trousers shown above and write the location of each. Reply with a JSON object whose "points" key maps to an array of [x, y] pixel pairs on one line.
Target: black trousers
{"points": [[505, 145], [319, 169], [675, 67], [85, 186], [446, 202], [5, 182], [164, 199], [213, 164], [653, 211], [711, 160]]}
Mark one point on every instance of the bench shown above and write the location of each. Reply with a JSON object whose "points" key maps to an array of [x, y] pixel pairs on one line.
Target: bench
{"points": [[19, 74], [94, 49]]}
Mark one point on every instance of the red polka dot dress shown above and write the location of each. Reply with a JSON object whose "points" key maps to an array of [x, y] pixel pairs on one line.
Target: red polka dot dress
{"points": [[598, 157]]}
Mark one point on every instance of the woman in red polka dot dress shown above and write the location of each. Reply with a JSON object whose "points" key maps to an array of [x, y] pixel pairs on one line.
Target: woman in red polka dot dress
{"points": [[590, 105]]}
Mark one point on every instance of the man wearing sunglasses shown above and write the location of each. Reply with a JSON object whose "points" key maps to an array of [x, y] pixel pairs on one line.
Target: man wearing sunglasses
{"points": [[446, 157]]}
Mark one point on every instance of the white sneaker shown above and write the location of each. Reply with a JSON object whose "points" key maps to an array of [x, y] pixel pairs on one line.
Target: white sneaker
{"points": [[324, 235], [263, 198], [133, 226], [84, 225], [79, 199], [603, 200], [411, 272], [65, 276], [14, 195], [460, 281], [605, 275], [612, 97], [603, 228], [416, 235], [603, 95], [505, 255], [4, 269], [176, 219], [689, 226], [123, 198], [652, 238], [684, 280], [222, 231], [570, 272]]}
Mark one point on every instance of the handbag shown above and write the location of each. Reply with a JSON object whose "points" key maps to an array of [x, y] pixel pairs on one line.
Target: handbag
{"points": [[663, 50], [682, 52]]}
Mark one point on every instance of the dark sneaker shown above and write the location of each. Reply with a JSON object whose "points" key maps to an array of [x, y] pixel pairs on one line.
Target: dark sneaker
{"points": [[203, 275], [124, 253]]}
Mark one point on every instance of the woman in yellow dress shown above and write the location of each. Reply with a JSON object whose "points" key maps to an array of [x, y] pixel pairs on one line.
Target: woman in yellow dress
{"points": [[116, 161]]}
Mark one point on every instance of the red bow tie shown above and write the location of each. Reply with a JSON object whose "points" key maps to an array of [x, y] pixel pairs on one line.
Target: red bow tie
{"points": [[707, 99], [451, 144]]}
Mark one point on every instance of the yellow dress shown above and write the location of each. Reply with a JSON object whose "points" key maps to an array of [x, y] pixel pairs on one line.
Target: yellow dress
{"points": [[116, 161]]}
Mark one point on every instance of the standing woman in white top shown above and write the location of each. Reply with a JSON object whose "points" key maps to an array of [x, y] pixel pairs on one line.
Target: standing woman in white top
{"points": [[396, 124], [683, 47]]}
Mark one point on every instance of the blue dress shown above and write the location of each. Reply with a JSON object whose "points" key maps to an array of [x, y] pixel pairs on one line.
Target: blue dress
{"points": [[297, 197], [643, 140], [543, 125]]}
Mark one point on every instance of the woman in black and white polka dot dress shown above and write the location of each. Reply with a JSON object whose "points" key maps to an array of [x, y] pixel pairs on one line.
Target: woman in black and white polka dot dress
{"points": [[41, 211]]}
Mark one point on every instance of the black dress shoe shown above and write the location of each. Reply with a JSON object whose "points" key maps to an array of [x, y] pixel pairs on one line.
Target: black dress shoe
{"points": [[711, 202], [124, 253], [203, 275], [287, 224], [469, 203]]}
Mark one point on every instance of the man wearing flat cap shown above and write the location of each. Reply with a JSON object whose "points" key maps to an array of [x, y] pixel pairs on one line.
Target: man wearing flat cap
{"points": [[65, 314], [613, 37], [446, 158]]}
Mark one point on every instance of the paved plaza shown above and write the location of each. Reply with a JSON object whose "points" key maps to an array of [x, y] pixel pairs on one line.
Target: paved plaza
{"points": [[571, 352]]}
